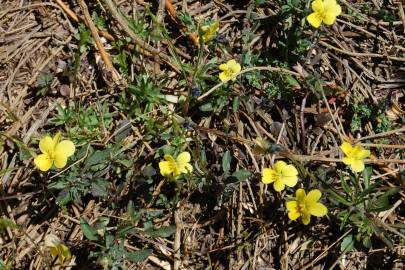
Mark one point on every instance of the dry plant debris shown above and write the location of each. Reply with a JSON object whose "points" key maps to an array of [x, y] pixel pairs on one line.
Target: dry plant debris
{"points": [[202, 134]]}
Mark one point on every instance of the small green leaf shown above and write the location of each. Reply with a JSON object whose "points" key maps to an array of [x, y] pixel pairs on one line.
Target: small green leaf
{"points": [[207, 107], [347, 243], [162, 231], [88, 231], [138, 256], [367, 242], [242, 174], [226, 161], [368, 171]]}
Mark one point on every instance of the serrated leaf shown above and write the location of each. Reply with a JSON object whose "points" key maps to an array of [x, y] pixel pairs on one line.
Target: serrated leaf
{"points": [[88, 231], [162, 231], [138, 256]]}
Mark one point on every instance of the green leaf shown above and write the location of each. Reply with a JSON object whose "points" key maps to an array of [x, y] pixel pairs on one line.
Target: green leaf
{"points": [[226, 161], [124, 231], [138, 256], [162, 231], [235, 104], [99, 188], [6, 223], [345, 186], [207, 107], [347, 243], [98, 156], [88, 231], [367, 242], [242, 174], [368, 171]]}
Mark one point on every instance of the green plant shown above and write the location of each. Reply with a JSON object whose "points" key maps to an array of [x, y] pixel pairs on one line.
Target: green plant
{"points": [[84, 123], [90, 175]]}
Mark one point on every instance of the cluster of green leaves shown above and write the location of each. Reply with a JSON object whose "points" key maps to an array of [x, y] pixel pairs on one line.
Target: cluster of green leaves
{"points": [[84, 123], [358, 201], [111, 251], [92, 175]]}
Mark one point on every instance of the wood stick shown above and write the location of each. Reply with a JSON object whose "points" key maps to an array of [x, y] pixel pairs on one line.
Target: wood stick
{"points": [[99, 45]]}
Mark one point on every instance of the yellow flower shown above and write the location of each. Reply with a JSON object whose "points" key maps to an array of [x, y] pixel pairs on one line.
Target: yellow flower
{"points": [[306, 205], [57, 248], [325, 11], [229, 70], [354, 156], [175, 167], [208, 32], [54, 152], [281, 175]]}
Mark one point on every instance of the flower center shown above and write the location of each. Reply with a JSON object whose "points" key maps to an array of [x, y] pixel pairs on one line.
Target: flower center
{"points": [[301, 207]]}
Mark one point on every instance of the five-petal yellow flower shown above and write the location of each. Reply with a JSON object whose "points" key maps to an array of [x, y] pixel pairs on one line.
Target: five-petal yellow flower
{"points": [[54, 152], [175, 167], [58, 248], [325, 11], [354, 156], [281, 175], [208, 32], [229, 70], [306, 205]]}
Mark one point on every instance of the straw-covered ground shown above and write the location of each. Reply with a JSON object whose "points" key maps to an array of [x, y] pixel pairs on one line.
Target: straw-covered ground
{"points": [[202, 134]]}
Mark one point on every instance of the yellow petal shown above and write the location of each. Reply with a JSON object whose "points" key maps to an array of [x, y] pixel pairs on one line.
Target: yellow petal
{"points": [[56, 138], [166, 168], [46, 145], [268, 176], [300, 195], [54, 251], [318, 209], [223, 76], [357, 165], [188, 168], [66, 148], [279, 166], [183, 158], [306, 218], [293, 215], [223, 67], [289, 170], [290, 180], [60, 160], [346, 148], [236, 68], [65, 252], [329, 19], [314, 19], [332, 7], [347, 160], [279, 185], [313, 196], [360, 153], [317, 6], [43, 162], [292, 206], [231, 63]]}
